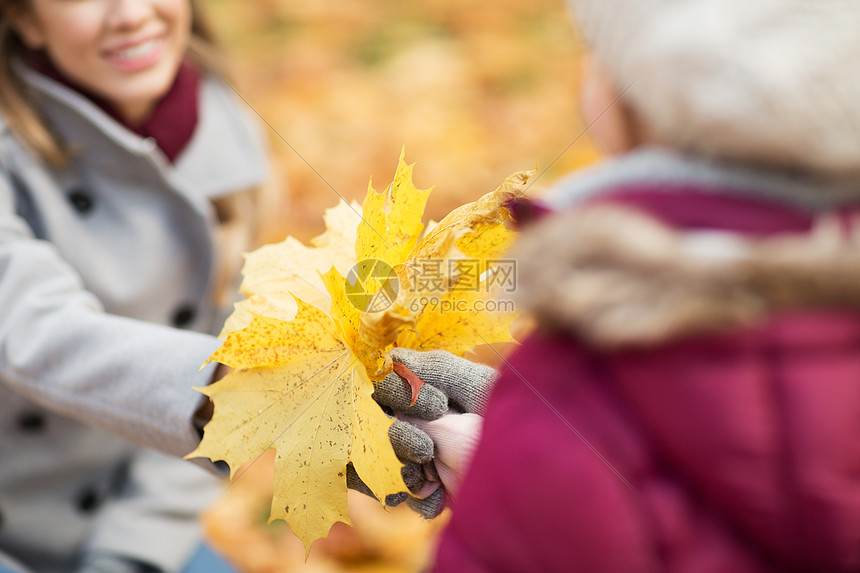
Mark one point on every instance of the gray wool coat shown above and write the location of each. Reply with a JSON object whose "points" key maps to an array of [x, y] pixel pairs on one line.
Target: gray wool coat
{"points": [[107, 279]]}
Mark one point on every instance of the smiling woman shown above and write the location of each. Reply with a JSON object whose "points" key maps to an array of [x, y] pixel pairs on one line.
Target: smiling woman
{"points": [[125, 53], [126, 166]]}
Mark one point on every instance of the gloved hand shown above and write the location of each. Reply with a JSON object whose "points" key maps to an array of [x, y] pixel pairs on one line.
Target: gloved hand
{"points": [[451, 383], [415, 449]]}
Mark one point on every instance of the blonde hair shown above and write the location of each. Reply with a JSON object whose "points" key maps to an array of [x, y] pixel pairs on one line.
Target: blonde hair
{"points": [[24, 120]]}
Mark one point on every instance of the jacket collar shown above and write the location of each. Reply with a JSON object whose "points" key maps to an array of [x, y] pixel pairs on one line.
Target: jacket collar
{"points": [[618, 276], [652, 166], [225, 152]]}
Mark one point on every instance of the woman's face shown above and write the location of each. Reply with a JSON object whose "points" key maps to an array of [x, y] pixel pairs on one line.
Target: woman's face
{"points": [[126, 51]]}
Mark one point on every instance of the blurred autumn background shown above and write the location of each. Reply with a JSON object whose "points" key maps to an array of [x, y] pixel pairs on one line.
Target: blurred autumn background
{"points": [[475, 90]]}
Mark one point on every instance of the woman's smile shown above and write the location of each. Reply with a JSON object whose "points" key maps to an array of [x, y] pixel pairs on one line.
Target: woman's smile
{"points": [[136, 55]]}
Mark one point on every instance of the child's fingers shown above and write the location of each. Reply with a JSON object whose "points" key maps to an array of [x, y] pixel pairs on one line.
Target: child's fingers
{"points": [[429, 507], [395, 393], [466, 384], [410, 444]]}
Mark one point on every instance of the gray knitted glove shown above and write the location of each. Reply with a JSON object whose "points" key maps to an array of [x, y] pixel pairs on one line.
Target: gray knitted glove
{"points": [[414, 448], [450, 382]]}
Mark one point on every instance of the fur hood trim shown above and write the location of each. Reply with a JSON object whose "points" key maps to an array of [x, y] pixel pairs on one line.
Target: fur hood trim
{"points": [[618, 278]]}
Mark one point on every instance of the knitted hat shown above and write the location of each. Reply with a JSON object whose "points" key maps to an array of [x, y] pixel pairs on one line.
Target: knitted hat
{"points": [[767, 81]]}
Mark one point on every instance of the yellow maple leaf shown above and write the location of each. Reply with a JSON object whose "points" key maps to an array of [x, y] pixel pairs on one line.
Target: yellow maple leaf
{"points": [[472, 237], [310, 339], [391, 224], [273, 274], [296, 389]]}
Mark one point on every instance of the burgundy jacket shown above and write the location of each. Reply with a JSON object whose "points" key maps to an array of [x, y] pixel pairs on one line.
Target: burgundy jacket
{"points": [[719, 433]]}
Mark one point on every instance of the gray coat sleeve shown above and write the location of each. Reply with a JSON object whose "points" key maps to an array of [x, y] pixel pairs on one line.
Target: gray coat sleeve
{"points": [[60, 349]]}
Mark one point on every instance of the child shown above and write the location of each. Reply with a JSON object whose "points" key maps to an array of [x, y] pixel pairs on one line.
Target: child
{"points": [[691, 400]]}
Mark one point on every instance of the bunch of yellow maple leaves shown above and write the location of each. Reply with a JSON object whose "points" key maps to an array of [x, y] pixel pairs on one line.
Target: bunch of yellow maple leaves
{"points": [[304, 354]]}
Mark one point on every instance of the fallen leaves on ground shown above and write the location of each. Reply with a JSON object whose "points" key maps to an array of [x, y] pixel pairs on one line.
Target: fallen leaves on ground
{"points": [[394, 540]]}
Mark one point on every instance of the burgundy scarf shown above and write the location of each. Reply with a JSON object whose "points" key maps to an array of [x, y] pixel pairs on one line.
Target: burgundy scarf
{"points": [[171, 123]]}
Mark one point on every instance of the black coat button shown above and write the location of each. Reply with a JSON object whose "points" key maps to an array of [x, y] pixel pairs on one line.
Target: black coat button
{"points": [[81, 201], [88, 501], [31, 422], [184, 316]]}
